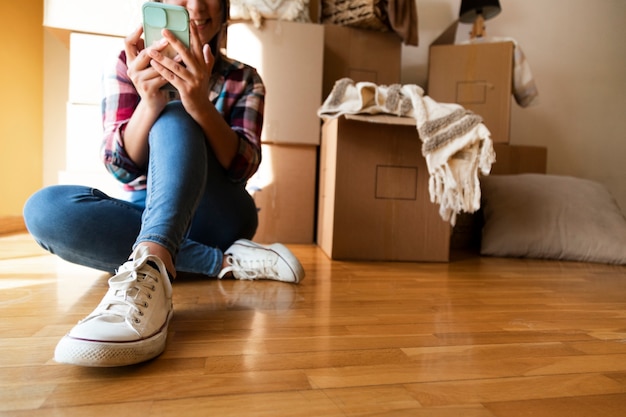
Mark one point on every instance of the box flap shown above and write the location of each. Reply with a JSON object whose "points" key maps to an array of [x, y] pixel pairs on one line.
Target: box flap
{"points": [[448, 36], [388, 119]]}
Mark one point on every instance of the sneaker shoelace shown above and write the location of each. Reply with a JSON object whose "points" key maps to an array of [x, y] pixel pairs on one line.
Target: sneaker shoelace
{"points": [[251, 268], [130, 292]]}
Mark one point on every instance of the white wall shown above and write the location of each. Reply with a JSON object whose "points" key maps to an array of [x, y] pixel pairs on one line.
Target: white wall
{"points": [[56, 70], [578, 59]]}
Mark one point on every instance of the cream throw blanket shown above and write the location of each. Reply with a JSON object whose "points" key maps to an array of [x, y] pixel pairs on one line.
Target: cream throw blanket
{"points": [[456, 144]]}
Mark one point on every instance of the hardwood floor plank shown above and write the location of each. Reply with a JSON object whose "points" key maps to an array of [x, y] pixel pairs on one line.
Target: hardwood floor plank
{"points": [[373, 400], [612, 405], [602, 346], [307, 360], [53, 373], [439, 394], [583, 364], [133, 409], [475, 352], [17, 397], [25, 351], [125, 389], [275, 404]]}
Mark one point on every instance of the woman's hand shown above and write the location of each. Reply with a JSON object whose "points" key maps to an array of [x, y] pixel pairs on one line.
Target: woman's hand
{"points": [[190, 71], [148, 83], [146, 79]]}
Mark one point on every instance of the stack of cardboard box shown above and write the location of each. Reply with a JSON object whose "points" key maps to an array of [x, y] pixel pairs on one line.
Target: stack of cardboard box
{"points": [[479, 76], [89, 54], [299, 64], [289, 58], [89, 57], [373, 193], [373, 187]]}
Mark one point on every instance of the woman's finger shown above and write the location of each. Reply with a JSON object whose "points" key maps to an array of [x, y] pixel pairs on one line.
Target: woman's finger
{"points": [[195, 43], [133, 44]]}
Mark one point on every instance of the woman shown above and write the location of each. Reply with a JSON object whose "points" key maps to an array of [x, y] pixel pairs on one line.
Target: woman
{"points": [[184, 157]]}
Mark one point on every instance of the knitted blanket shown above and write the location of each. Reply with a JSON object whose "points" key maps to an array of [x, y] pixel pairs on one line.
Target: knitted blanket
{"points": [[456, 144]]}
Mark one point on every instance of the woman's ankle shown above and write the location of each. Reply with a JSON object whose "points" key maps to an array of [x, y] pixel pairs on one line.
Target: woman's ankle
{"points": [[163, 254]]}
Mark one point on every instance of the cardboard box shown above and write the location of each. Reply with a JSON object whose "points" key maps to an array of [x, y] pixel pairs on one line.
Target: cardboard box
{"points": [[288, 56], [362, 55], [110, 17], [82, 151], [519, 159], [373, 193], [91, 56], [84, 138], [477, 76], [284, 192]]}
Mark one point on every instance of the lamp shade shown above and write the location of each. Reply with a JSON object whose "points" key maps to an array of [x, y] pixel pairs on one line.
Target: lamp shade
{"points": [[470, 9]]}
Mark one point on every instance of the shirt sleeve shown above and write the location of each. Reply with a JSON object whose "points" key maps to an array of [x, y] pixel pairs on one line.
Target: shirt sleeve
{"points": [[241, 101], [118, 104]]}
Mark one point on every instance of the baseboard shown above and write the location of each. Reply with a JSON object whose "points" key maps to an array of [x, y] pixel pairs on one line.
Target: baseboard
{"points": [[11, 225]]}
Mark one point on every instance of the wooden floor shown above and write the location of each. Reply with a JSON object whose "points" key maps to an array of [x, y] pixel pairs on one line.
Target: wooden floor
{"points": [[477, 337]]}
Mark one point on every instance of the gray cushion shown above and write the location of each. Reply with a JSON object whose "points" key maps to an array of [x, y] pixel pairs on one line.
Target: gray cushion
{"points": [[551, 217]]}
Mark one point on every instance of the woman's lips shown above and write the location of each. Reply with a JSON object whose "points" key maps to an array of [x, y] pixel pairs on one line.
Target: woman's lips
{"points": [[201, 23]]}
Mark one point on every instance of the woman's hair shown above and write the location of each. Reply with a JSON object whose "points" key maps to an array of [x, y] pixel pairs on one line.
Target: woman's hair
{"points": [[217, 42]]}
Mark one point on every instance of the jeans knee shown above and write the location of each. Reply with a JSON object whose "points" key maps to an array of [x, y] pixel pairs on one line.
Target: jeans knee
{"points": [[49, 207], [174, 112], [174, 121], [37, 211]]}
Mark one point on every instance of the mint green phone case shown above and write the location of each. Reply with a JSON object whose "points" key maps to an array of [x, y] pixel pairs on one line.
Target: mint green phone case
{"points": [[157, 16]]}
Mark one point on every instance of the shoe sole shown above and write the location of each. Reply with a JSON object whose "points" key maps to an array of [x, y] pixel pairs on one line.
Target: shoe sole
{"points": [[283, 252], [93, 353]]}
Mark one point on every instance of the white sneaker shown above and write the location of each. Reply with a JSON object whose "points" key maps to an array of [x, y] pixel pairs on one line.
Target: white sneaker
{"points": [[130, 324], [250, 260]]}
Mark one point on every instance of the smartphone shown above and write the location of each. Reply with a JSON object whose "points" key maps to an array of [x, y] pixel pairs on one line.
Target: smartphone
{"points": [[159, 16]]}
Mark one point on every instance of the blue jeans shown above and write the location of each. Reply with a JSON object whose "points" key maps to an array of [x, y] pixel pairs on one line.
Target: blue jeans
{"points": [[191, 207]]}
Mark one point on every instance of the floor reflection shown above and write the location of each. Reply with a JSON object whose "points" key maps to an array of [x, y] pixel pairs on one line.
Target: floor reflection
{"points": [[258, 295]]}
